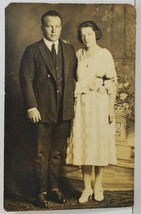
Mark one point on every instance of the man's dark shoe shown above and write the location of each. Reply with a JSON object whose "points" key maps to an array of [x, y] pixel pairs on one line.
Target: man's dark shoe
{"points": [[57, 196], [42, 200]]}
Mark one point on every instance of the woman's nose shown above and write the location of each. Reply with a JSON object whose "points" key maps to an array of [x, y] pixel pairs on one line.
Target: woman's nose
{"points": [[85, 38]]}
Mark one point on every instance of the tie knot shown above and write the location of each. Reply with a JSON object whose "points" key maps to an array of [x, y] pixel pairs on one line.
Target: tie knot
{"points": [[53, 48], [53, 45]]}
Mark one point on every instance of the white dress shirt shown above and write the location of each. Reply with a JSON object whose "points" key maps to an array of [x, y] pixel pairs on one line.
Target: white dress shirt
{"points": [[49, 44]]}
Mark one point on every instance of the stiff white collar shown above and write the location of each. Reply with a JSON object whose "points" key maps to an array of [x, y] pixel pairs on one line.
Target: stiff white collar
{"points": [[49, 44]]}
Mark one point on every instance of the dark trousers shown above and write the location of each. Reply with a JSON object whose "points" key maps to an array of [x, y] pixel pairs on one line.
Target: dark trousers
{"points": [[51, 143]]}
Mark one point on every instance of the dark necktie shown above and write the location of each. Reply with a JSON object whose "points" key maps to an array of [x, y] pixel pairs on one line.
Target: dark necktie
{"points": [[53, 53], [54, 57]]}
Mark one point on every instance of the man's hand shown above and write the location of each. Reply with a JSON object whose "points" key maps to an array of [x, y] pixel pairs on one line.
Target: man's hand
{"points": [[34, 115]]}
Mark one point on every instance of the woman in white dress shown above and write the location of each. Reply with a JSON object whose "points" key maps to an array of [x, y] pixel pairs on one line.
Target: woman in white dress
{"points": [[92, 140]]}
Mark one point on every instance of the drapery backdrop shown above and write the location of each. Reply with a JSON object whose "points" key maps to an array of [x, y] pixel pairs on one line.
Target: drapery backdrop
{"points": [[22, 21]]}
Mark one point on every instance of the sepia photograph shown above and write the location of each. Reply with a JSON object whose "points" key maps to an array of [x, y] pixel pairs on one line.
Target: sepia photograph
{"points": [[69, 117]]}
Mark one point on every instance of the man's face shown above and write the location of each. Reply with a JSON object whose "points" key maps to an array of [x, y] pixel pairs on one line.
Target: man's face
{"points": [[52, 28]]}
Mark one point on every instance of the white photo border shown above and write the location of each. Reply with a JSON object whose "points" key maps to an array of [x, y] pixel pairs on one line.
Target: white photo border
{"points": [[137, 198]]}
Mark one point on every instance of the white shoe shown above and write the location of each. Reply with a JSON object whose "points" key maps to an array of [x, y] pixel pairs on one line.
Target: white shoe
{"points": [[98, 195], [86, 195]]}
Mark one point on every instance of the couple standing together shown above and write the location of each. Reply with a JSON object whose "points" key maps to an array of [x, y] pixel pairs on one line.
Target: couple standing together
{"points": [[69, 96]]}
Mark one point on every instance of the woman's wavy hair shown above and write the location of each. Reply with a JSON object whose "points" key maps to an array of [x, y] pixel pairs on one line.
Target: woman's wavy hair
{"points": [[94, 27]]}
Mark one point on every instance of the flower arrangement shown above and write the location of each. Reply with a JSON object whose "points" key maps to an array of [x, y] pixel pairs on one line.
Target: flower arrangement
{"points": [[102, 83], [124, 104]]}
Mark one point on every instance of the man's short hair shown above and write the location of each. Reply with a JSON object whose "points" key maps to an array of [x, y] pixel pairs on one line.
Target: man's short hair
{"points": [[50, 13]]}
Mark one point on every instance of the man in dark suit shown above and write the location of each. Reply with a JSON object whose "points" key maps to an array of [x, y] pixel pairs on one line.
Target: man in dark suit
{"points": [[47, 77]]}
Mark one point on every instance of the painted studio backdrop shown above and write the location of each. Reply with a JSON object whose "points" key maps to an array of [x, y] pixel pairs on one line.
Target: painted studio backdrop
{"points": [[22, 21]]}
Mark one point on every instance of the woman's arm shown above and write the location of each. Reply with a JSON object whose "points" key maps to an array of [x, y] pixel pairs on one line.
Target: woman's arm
{"points": [[112, 97]]}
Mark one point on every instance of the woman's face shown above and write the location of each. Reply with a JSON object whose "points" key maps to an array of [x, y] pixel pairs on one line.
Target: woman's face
{"points": [[88, 36]]}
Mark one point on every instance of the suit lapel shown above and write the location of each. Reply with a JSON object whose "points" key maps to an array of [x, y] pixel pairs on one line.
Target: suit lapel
{"points": [[47, 58], [65, 59]]}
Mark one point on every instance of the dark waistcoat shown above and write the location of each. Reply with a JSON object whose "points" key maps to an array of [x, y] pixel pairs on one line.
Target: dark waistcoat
{"points": [[59, 70]]}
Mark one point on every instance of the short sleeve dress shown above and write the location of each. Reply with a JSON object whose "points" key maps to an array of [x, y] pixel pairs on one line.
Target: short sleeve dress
{"points": [[92, 140]]}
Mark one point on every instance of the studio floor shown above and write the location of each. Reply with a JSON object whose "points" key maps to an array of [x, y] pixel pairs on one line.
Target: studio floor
{"points": [[118, 187]]}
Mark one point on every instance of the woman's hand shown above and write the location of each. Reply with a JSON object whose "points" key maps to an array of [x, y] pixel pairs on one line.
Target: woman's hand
{"points": [[111, 115]]}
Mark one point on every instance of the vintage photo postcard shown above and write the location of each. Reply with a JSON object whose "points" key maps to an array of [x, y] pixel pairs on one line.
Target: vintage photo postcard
{"points": [[69, 106]]}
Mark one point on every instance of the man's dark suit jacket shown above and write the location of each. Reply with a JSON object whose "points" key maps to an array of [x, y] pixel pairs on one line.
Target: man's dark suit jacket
{"points": [[38, 82]]}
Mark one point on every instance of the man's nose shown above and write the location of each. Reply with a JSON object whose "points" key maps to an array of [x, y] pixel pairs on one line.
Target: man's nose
{"points": [[53, 29]]}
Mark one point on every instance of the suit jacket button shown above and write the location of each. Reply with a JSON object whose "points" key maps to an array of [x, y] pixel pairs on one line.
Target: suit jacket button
{"points": [[48, 75], [57, 91]]}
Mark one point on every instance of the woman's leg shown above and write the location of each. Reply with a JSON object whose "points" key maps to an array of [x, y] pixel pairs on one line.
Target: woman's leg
{"points": [[99, 170], [98, 190], [87, 193], [87, 171]]}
